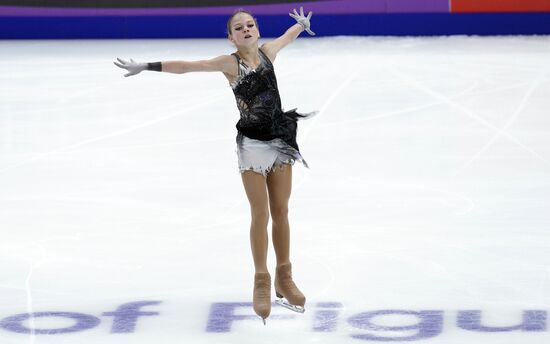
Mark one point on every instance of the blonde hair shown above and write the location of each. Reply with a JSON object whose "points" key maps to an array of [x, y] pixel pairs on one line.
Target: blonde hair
{"points": [[237, 11]]}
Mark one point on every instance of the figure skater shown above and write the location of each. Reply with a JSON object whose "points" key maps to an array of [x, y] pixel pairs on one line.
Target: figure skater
{"points": [[266, 144]]}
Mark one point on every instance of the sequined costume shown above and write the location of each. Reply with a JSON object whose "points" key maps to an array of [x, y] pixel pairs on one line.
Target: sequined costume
{"points": [[261, 115]]}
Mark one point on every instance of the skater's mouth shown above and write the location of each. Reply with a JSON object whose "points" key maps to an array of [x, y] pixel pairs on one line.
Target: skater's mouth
{"points": [[247, 36]]}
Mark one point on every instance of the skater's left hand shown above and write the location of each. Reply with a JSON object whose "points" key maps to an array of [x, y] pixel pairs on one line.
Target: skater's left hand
{"points": [[303, 20]]}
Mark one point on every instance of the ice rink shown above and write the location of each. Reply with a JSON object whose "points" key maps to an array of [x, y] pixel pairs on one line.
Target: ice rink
{"points": [[424, 216]]}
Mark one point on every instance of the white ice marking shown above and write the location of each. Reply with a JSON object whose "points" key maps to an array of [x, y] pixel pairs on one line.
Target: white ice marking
{"points": [[33, 266], [113, 134], [536, 83], [325, 106], [315, 118], [468, 112], [424, 106]]}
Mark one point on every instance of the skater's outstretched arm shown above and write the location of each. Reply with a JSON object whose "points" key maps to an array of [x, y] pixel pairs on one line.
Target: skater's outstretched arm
{"points": [[302, 24], [223, 63]]}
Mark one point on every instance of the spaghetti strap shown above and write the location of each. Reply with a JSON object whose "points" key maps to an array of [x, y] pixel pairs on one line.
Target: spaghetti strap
{"points": [[264, 56], [239, 64]]}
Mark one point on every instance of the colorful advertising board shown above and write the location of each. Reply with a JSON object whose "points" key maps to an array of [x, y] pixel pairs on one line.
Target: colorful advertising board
{"points": [[37, 19]]}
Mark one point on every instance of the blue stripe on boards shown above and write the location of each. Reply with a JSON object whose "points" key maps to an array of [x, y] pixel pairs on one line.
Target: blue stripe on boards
{"points": [[428, 24]]}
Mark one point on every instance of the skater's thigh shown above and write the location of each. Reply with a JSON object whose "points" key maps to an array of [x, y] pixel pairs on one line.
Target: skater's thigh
{"points": [[279, 184], [256, 192]]}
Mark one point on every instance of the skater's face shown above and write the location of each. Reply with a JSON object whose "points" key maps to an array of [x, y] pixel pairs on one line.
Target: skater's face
{"points": [[243, 30]]}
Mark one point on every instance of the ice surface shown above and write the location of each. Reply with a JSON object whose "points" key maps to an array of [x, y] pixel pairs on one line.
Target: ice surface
{"points": [[429, 192]]}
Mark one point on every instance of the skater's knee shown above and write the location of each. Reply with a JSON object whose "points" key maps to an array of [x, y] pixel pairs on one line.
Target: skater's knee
{"points": [[279, 213], [260, 216]]}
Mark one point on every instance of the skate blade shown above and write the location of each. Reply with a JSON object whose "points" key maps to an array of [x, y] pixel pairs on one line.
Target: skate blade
{"points": [[294, 308]]}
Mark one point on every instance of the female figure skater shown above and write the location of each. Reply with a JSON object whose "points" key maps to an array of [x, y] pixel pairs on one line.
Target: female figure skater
{"points": [[266, 144]]}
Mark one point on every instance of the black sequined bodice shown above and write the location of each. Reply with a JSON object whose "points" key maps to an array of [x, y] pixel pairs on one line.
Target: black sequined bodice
{"points": [[261, 115]]}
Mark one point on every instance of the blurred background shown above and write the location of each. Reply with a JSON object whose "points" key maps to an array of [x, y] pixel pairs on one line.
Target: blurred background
{"points": [[206, 19]]}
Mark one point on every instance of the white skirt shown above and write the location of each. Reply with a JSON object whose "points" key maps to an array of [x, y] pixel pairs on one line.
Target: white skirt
{"points": [[265, 156]]}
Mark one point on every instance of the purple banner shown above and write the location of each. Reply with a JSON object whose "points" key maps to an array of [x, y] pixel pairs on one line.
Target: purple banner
{"points": [[319, 7], [418, 6]]}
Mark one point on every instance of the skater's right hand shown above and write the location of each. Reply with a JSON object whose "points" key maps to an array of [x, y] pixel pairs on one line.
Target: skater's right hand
{"points": [[131, 66]]}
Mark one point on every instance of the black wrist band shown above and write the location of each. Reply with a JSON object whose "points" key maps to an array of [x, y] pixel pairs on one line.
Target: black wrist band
{"points": [[154, 66]]}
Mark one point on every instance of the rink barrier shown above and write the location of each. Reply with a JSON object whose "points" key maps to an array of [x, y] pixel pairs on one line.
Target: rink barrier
{"points": [[321, 317], [398, 24]]}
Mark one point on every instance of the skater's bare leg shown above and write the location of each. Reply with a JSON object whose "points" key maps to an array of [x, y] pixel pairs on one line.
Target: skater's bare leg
{"points": [[279, 184], [255, 187]]}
